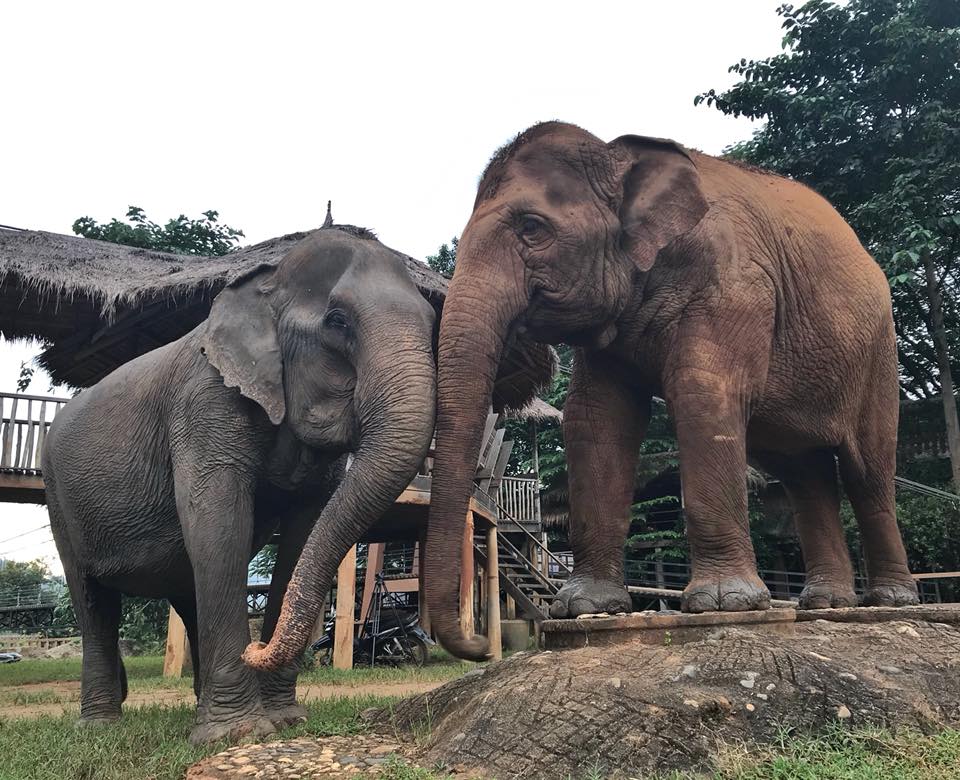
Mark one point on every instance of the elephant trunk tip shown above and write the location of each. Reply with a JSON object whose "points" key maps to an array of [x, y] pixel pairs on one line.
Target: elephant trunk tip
{"points": [[474, 648], [262, 657]]}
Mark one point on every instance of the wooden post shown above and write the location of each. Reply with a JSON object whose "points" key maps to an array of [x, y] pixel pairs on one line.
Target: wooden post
{"points": [[467, 576], [421, 584], [493, 595], [177, 647], [511, 607], [374, 567], [346, 599]]}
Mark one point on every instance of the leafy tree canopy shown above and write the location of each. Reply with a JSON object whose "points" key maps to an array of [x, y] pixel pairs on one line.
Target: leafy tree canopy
{"points": [[22, 574], [864, 106], [445, 260], [204, 236]]}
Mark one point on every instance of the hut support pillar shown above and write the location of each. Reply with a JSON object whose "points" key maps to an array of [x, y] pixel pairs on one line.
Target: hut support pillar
{"points": [[346, 599], [421, 584], [493, 595], [467, 577], [177, 646]]}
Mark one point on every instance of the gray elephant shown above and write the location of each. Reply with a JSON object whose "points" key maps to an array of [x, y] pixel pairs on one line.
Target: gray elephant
{"points": [[164, 479]]}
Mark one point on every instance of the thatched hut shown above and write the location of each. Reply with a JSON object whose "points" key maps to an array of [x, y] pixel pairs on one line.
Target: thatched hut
{"points": [[97, 305]]}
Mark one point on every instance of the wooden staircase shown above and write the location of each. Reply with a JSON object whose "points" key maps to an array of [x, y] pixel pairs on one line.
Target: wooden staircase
{"points": [[519, 578]]}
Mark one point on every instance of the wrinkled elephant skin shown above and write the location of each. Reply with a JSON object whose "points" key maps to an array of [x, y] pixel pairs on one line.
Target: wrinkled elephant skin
{"points": [[165, 478], [740, 297]]}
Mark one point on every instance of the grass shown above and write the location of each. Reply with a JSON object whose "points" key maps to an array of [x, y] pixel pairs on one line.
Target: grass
{"points": [[149, 743], [43, 670], [845, 754]]}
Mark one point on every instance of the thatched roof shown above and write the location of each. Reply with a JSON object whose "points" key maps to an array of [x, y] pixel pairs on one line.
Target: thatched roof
{"points": [[98, 305], [537, 410]]}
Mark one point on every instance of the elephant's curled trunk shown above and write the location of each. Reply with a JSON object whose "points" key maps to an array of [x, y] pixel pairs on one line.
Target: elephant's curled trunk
{"points": [[395, 403]]}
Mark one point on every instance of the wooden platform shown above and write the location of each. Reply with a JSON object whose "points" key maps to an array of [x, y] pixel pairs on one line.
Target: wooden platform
{"points": [[664, 628], [653, 628]]}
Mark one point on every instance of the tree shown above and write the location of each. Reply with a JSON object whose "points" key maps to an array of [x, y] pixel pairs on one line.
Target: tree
{"points": [[444, 261], [17, 575], [864, 106], [205, 236]]}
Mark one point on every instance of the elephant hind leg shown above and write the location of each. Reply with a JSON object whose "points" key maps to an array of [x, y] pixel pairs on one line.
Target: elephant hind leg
{"points": [[867, 469], [811, 483], [868, 464], [103, 680], [186, 608]]}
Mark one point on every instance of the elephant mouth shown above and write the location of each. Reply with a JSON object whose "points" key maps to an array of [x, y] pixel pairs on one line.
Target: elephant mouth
{"points": [[329, 428]]}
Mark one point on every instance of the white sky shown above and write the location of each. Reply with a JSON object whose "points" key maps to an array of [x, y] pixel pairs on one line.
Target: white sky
{"points": [[264, 111]]}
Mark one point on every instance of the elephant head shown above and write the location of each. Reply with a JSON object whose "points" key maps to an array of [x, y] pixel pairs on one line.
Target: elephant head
{"points": [[562, 227], [336, 344]]}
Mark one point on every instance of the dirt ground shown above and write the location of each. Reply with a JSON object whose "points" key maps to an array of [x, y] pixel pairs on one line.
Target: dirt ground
{"points": [[67, 695]]}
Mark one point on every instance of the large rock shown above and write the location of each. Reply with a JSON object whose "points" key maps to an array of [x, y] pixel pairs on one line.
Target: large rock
{"points": [[637, 708]]}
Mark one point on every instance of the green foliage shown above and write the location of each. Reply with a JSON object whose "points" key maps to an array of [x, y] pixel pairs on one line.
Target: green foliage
{"points": [[15, 575], [264, 561], [445, 260], [864, 106], [25, 377], [204, 236], [144, 621]]}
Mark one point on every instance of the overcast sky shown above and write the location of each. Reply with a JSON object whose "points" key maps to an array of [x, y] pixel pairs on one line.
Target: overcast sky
{"points": [[391, 110]]}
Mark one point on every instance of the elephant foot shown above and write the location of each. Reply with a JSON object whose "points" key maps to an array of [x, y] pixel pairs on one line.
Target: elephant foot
{"points": [[738, 593], [96, 721], [255, 726], [827, 595], [891, 594], [588, 595], [290, 715]]}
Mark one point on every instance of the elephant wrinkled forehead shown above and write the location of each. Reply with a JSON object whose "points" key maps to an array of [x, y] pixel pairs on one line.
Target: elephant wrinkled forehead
{"points": [[551, 154]]}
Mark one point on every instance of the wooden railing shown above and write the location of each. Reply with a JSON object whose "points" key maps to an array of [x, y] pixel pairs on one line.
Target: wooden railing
{"points": [[518, 496], [26, 420]]}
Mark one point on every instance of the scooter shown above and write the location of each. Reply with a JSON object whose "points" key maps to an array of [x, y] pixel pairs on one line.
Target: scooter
{"points": [[391, 636]]}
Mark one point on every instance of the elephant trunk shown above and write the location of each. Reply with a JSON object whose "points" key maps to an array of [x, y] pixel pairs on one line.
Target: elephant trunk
{"points": [[395, 402], [473, 334]]}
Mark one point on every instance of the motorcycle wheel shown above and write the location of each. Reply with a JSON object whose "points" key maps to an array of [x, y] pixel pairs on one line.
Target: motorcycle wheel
{"points": [[417, 650], [323, 656]]}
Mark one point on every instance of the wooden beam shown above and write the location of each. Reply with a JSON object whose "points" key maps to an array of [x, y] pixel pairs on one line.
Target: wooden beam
{"points": [[346, 599], [177, 648], [421, 585], [493, 595], [467, 576]]}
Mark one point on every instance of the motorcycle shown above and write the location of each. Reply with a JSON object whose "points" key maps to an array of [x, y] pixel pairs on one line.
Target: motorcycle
{"points": [[391, 636]]}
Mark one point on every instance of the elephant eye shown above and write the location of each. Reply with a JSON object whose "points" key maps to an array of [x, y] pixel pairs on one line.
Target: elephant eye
{"points": [[533, 231], [335, 319]]}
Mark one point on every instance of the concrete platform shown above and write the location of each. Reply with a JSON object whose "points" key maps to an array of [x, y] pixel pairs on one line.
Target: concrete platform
{"points": [[654, 628], [659, 628]]}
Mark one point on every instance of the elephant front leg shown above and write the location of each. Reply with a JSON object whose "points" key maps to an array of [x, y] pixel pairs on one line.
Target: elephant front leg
{"points": [[711, 435], [604, 423], [217, 515], [278, 688]]}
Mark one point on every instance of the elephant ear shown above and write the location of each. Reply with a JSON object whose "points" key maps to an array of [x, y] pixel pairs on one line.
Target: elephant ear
{"points": [[662, 198], [241, 342]]}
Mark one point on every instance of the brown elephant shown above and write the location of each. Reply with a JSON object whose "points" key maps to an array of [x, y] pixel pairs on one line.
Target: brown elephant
{"points": [[740, 297]]}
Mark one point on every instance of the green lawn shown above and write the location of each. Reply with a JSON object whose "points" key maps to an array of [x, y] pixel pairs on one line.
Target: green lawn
{"points": [[150, 743], [145, 672]]}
